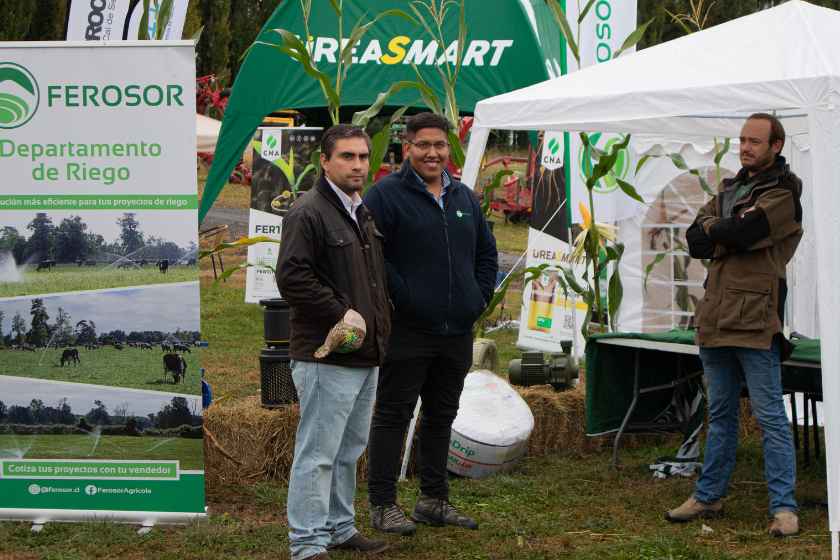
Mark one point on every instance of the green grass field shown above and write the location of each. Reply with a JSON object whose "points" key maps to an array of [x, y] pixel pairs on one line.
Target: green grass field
{"points": [[71, 278], [188, 451], [130, 367]]}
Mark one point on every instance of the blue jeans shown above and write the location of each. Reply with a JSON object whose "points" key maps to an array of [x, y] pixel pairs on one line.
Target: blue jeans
{"points": [[335, 410], [722, 368]]}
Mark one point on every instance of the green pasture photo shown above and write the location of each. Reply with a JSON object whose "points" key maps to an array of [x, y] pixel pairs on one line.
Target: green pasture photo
{"points": [[73, 278], [188, 451], [129, 367]]}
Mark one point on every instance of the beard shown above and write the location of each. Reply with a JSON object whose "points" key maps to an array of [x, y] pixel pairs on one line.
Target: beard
{"points": [[759, 163]]}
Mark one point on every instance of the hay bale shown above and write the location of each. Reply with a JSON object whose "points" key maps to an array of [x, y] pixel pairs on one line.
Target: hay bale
{"points": [[246, 443]]}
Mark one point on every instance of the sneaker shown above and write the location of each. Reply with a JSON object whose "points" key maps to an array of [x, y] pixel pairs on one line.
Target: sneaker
{"points": [[360, 543], [391, 519], [691, 509], [785, 524], [437, 513]]}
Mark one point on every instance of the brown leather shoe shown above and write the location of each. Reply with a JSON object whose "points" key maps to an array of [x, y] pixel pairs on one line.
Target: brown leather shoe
{"points": [[691, 509], [360, 543], [785, 524]]}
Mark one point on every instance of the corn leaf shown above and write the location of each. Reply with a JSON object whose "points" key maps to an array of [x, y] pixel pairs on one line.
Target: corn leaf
{"points": [[704, 184], [336, 6], [722, 152], [565, 29], [528, 274], [633, 38], [679, 161], [296, 49], [164, 14], [241, 242], [585, 10], [487, 195], [643, 160], [456, 151], [143, 32], [569, 275], [378, 147], [362, 118], [615, 294], [287, 167], [629, 190], [649, 268], [299, 179], [429, 97]]}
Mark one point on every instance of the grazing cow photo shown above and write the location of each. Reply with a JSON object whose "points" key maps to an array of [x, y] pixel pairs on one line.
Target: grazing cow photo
{"points": [[45, 265], [176, 365], [145, 346], [165, 346], [70, 355], [163, 265], [118, 346], [181, 348]]}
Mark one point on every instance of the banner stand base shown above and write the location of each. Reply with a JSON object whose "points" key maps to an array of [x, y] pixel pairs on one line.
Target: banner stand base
{"points": [[147, 520]]}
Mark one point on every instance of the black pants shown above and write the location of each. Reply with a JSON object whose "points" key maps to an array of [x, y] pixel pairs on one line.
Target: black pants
{"points": [[433, 368]]}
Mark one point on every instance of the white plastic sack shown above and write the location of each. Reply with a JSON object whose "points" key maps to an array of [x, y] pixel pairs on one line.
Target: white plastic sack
{"points": [[490, 433]]}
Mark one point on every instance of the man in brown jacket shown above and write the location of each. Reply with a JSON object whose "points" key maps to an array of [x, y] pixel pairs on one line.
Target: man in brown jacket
{"points": [[748, 232], [331, 262]]}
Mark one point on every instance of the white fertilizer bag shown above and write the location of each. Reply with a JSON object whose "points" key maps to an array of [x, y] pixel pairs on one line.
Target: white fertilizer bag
{"points": [[490, 433]]}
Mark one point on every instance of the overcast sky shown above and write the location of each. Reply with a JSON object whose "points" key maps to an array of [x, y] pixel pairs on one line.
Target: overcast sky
{"points": [[145, 308], [179, 226]]}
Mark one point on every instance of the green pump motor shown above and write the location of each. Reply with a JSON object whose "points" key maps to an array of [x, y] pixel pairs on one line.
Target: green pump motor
{"points": [[532, 368]]}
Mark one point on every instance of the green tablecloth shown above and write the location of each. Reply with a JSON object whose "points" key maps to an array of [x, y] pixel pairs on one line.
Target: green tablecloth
{"points": [[609, 376]]}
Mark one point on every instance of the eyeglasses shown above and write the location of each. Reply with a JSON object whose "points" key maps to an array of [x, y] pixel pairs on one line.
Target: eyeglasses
{"points": [[426, 146]]}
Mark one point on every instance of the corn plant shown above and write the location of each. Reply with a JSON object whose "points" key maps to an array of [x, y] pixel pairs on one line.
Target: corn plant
{"points": [[332, 85], [527, 275], [573, 40], [243, 242], [163, 13], [432, 14], [597, 246]]}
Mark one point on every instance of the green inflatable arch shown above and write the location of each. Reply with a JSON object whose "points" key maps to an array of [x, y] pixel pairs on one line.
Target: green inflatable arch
{"points": [[510, 44]]}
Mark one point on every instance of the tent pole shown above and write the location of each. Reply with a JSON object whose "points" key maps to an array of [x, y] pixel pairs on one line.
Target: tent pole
{"points": [[835, 549]]}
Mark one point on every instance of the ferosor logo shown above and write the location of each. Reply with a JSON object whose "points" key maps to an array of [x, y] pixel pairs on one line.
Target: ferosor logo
{"points": [[587, 162], [34, 489], [19, 95]]}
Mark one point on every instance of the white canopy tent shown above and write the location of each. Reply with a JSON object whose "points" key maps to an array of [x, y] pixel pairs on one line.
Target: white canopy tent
{"points": [[206, 133], [786, 60]]}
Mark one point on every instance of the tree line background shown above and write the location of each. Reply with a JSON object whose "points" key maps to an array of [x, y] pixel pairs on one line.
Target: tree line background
{"points": [[63, 332], [172, 416], [71, 241], [230, 26]]}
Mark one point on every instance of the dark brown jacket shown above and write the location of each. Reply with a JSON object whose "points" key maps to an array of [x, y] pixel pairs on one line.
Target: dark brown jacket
{"points": [[327, 265], [745, 286]]}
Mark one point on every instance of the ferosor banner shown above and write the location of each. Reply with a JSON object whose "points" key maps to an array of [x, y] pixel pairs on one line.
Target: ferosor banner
{"points": [[548, 315], [119, 20], [100, 411]]}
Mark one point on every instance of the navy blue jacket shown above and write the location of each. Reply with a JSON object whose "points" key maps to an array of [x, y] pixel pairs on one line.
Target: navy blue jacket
{"points": [[441, 263]]}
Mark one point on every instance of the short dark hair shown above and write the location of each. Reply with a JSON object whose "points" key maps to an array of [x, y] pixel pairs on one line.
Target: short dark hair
{"points": [[777, 131], [339, 132], [414, 124]]}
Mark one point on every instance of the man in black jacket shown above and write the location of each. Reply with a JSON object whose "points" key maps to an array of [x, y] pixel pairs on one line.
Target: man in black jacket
{"points": [[441, 261], [331, 263]]}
